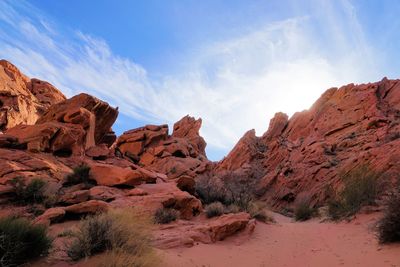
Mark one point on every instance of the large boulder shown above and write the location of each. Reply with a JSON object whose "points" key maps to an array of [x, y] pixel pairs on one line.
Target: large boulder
{"points": [[187, 233], [95, 116]]}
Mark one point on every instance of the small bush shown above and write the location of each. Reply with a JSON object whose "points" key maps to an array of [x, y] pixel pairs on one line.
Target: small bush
{"points": [[389, 225], [360, 187], [303, 210], [165, 215], [210, 189], [31, 193], [80, 174], [117, 230], [21, 241], [214, 209]]}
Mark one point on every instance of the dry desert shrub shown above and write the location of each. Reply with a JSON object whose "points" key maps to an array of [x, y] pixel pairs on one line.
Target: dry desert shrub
{"points": [[361, 187], [303, 210], [119, 233], [389, 225], [165, 215], [214, 209]]}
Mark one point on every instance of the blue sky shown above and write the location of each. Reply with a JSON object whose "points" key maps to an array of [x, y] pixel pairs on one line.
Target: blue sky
{"points": [[233, 63]]}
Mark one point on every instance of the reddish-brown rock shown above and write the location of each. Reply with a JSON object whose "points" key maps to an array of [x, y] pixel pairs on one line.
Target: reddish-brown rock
{"points": [[88, 207], [95, 116], [184, 233], [49, 216], [109, 175], [189, 129], [162, 195], [23, 100], [179, 154]]}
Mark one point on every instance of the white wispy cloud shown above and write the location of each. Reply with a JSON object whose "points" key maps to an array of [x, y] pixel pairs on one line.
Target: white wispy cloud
{"points": [[234, 85]]}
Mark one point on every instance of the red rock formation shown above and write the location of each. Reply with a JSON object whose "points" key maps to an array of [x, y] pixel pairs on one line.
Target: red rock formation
{"points": [[176, 155], [47, 137], [23, 100], [69, 127], [345, 128]]}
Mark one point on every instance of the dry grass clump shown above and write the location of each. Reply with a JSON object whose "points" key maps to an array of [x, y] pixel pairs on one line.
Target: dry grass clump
{"points": [[21, 241], [122, 258], [122, 234], [165, 215]]}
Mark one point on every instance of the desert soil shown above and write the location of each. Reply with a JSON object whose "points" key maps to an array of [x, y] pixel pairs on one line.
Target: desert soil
{"points": [[289, 243]]}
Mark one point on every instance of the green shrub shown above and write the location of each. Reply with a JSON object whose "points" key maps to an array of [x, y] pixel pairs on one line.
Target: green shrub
{"points": [[389, 225], [80, 174], [21, 241], [303, 210], [125, 231], [31, 193], [214, 209], [165, 215], [361, 186]]}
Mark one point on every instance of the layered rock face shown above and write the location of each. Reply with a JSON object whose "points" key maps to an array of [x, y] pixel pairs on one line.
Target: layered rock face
{"points": [[347, 127], [23, 100]]}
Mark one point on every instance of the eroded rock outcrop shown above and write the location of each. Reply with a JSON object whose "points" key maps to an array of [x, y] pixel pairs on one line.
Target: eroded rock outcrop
{"points": [[176, 155], [345, 128], [23, 100], [69, 127]]}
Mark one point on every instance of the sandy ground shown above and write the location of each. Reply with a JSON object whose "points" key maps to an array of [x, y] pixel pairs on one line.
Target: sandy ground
{"points": [[299, 244]]}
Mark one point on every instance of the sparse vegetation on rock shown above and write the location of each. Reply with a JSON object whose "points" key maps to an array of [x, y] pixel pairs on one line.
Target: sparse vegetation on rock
{"points": [[31, 193], [80, 174], [21, 241], [165, 215], [361, 186]]}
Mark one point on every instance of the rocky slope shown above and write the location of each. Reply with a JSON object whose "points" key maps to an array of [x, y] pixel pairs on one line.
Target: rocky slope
{"points": [[345, 128]]}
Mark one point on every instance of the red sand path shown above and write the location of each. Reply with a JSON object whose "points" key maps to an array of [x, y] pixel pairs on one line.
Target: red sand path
{"points": [[294, 244]]}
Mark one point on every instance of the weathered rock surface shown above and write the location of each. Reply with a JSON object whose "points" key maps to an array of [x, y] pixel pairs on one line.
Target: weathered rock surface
{"points": [[155, 196], [69, 127], [345, 128], [186, 233], [23, 100]]}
